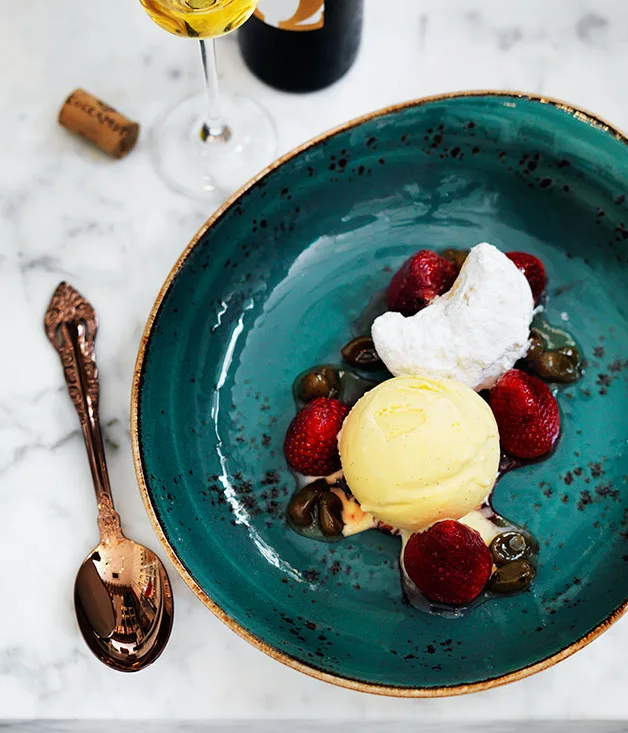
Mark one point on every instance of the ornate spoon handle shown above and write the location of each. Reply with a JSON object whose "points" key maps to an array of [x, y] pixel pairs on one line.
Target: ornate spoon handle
{"points": [[71, 326]]}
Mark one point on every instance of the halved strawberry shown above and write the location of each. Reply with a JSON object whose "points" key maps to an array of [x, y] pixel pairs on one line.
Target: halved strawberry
{"points": [[449, 562], [311, 442], [533, 269], [527, 415], [419, 280]]}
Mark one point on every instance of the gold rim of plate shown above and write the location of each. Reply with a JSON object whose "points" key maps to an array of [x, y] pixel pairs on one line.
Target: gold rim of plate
{"points": [[287, 659]]}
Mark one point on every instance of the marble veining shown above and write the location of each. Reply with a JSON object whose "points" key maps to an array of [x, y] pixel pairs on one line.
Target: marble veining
{"points": [[114, 230]]}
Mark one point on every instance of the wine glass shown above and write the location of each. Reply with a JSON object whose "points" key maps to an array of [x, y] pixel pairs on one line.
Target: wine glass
{"points": [[209, 144]]}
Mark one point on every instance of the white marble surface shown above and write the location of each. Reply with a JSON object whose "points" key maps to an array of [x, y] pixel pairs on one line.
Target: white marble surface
{"points": [[114, 230]]}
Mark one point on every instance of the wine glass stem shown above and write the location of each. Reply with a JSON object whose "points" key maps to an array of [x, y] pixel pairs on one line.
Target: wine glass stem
{"points": [[215, 128]]}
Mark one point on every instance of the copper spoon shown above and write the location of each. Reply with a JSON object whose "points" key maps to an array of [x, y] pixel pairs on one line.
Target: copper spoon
{"points": [[122, 594]]}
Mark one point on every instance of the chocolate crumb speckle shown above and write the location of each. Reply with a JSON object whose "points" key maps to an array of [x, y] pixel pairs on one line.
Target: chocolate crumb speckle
{"points": [[606, 491], [596, 470], [568, 478], [585, 500], [270, 478], [604, 382]]}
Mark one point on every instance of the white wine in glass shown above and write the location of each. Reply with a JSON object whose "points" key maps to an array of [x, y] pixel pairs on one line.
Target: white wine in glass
{"points": [[199, 18], [209, 144]]}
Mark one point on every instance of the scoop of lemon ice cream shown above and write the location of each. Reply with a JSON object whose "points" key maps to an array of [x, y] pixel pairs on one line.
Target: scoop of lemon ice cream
{"points": [[416, 450]]}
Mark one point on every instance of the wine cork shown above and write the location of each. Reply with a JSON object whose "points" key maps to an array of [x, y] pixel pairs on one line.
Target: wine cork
{"points": [[99, 123]]}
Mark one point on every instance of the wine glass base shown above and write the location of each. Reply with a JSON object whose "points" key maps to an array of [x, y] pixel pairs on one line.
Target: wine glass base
{"points": [[215, 167]]}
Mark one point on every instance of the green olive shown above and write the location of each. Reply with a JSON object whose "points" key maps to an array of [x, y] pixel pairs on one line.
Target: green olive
{"points": [[457, 256], [303, 502], [331, 375], [330, 514], [512, 577], [360, 352], [537, 345], [558, 365], [509, 546], [319, 382]]}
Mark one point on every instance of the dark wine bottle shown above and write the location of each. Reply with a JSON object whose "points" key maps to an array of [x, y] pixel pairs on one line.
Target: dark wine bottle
{"points": [[302, 45]]}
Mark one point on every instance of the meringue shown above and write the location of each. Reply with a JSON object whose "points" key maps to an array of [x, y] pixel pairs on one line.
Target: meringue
{"points": [[474, 333]]}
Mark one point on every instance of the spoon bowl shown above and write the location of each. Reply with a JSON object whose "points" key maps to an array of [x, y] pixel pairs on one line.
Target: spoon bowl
{"points": [[123, 602]]}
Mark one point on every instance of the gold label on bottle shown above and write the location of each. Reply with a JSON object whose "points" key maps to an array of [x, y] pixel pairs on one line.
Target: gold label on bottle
{"points": [[292, 15]]}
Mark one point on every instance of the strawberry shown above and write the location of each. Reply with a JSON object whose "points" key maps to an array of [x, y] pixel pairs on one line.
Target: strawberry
{"points": [[533, 269], [311, 443], [419, 280], [449, 562], [527, 414]]}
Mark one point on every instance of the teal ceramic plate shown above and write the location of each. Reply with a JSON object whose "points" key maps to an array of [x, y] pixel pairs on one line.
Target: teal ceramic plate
{"points": [[272, 284]]}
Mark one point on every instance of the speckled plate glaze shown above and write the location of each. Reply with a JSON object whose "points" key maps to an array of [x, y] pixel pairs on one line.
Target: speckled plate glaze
{"points": [[272, 284]]}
